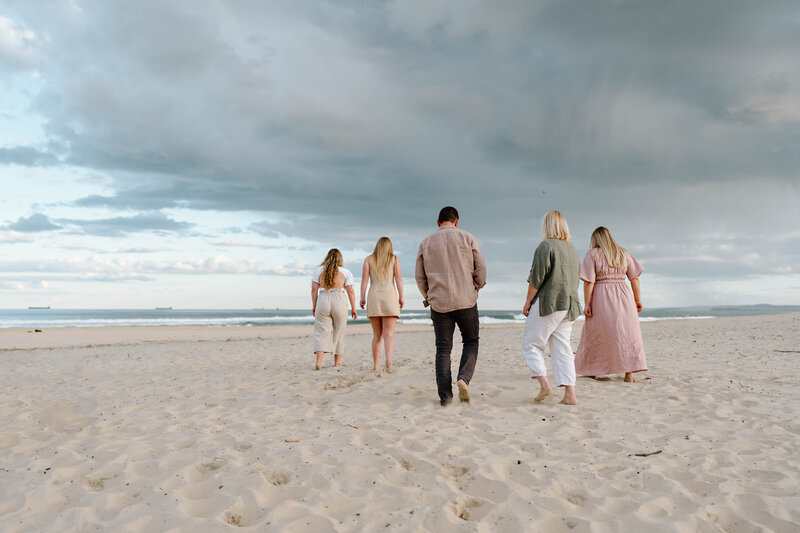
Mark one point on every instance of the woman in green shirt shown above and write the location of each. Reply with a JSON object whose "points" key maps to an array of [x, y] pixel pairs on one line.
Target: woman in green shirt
{"points": [[551, 306]]}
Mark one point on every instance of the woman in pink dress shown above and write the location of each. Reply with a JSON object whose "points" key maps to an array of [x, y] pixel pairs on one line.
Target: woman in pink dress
{"points": [[611, 340]]}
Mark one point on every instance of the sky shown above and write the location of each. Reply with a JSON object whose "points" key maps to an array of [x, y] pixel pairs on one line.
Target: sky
{"points": [[207, 154]]}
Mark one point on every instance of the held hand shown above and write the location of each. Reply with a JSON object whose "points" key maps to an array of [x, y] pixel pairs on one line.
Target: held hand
{"points": [[401, 302], [314, 311], [354, 314], [588, 311], [638, 307], [527, 308], [363, 303]]}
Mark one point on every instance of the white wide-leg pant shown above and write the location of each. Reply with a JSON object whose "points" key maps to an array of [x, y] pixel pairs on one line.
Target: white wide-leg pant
{"points": [[553, 329], [330, 320]]}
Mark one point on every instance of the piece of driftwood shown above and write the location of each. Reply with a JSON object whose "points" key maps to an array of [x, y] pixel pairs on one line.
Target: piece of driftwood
{"points": [[645, 454]]}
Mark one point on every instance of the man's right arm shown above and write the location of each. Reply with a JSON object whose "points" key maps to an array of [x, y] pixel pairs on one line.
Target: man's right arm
{"points": [[419, 274], [479, 265]]}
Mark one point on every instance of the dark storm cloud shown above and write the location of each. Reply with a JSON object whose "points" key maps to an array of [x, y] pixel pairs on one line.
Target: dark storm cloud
{"points": [[32, 224], [118, 226], [660, 120]]}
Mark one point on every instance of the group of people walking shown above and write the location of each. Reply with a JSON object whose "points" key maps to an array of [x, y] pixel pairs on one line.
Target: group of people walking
{"points": [[450, 271]]}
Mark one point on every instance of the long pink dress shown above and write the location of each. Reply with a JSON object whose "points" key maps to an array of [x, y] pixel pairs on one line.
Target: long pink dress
{"points": [[611, 341]]}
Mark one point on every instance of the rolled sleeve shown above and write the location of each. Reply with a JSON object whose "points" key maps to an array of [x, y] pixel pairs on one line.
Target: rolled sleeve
{"points": [[542, 262], [348, 277], [316, 274], [634, 268], [588, 272]]}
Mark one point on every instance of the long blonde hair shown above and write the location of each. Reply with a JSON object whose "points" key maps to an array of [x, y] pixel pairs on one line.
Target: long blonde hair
{"points": [[331, 268], [615, 254], [554, 226], [382, 258]]}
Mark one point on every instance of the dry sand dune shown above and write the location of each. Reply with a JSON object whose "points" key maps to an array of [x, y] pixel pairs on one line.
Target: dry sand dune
{"points": [[213, 429]]}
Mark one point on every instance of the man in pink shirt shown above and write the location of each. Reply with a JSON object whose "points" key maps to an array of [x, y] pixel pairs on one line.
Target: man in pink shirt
{"points": [[450, 271]]}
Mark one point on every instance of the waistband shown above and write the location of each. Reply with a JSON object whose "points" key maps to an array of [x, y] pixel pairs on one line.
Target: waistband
{"points": [[331, 290], [610, 281]]}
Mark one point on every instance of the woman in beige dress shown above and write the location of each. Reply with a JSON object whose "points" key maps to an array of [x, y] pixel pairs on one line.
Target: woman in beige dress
{"points": [[385, 298]]}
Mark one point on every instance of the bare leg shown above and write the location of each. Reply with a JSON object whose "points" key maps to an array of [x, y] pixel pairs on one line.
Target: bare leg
{"points": [[544, 388], [337, 359], [377, 334], [388, 339], [319, 360], [569, 395], [629, 377]]}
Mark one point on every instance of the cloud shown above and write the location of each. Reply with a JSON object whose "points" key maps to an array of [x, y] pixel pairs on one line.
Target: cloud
{"points": [[17, 285], [118, 226], [33, 224], [12, 236], [18, 46], [293, 269], [237, 243], [345, 123], [27, 156], [140, 250], [101, 267]]}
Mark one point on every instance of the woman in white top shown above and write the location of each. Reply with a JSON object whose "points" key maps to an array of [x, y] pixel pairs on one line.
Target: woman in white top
{"points": [[329, 306], [385, 299]]}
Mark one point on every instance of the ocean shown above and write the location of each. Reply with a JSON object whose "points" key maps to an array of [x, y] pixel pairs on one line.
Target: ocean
{"points": [[55, 318]]}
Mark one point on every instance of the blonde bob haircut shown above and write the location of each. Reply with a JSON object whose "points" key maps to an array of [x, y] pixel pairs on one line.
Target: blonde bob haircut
{"points": [[382, 258], [616, 255], [554, 226]]}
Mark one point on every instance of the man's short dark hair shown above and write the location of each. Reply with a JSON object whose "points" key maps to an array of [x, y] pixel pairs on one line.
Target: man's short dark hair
{"points": [[448, 214]]}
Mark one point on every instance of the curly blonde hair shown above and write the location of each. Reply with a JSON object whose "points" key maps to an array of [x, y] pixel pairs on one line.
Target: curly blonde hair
{"points": [[331, 268]]}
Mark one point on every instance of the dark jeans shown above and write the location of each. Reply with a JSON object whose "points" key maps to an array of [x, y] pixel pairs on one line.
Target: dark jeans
{"points": [[443, 327]]}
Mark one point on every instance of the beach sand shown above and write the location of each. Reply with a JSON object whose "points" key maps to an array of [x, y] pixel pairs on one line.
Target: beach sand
{"points": [[210, 429]]}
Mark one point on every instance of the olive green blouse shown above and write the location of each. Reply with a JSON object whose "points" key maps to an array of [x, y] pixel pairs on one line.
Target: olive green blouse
{"points": [[555, 272]]}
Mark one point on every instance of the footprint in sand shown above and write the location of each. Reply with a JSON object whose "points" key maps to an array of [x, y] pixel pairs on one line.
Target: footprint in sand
{"points": [[245, 512], [96, 484], [472, 510], [576, 498], [242, 446], [275, 477], [209, 465]]}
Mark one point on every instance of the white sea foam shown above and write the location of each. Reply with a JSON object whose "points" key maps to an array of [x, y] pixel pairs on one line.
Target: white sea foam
{"points": [[97, 319], [155, 322]]}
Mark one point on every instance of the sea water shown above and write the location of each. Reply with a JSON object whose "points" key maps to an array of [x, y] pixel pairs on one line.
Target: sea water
{"points": [[52, 318]]}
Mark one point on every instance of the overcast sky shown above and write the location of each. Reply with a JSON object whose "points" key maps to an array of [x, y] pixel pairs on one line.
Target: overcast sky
{"points": [[207, 154]]}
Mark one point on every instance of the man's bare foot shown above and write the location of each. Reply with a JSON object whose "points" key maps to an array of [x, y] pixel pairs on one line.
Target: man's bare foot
{"points": [[629, 378], [463, 390]]}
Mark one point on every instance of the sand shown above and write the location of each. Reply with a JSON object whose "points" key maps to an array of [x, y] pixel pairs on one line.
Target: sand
{"points": [[213, 429]]}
